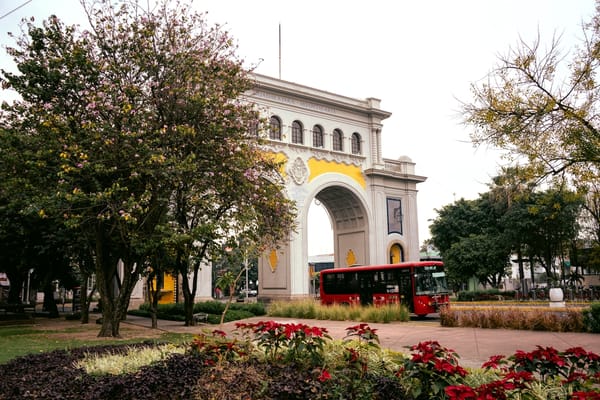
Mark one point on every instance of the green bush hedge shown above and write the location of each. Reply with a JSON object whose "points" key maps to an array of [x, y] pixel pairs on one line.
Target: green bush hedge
{"points": [[214, 309], [486, 295], [591, 318]]}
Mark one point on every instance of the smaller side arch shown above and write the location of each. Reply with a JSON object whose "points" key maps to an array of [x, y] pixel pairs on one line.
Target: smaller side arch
{"points": [[396, 253]]}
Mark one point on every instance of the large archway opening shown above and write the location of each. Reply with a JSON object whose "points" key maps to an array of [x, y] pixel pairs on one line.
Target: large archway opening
{"points": [[320, 231], [338, 221]]}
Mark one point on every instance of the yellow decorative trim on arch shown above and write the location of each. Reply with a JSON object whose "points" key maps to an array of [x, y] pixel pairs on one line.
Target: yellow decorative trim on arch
{"points": [[280, 158], [273, 260], [350, 258], [319, 167]]}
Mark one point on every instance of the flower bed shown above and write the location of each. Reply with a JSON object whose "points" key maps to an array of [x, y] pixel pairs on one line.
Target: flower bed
{"points": [[271, 360]]}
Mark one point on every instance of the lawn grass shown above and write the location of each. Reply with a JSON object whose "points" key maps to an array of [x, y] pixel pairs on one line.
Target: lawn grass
{"points": [[21, 340]]}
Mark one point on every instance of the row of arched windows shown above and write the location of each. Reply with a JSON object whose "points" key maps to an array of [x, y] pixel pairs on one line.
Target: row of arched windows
{"points": [[337, 143]]}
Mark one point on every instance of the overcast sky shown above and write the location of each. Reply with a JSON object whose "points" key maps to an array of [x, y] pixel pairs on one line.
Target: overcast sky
{"points": [[419, 57]]}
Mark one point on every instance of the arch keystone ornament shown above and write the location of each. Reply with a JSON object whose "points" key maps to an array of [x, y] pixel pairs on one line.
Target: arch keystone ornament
{"points": [[352, 181]]}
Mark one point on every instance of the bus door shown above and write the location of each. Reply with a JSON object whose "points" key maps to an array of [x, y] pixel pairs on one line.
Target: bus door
{"points": [[406, 288], [365, 280]]}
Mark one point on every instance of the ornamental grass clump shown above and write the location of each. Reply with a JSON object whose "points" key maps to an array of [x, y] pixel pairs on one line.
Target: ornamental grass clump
{"points": [[311, 309], [525, 318], [129, 361]]}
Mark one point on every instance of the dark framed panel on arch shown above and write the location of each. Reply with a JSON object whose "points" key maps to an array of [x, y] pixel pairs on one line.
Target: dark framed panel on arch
{"points": [[394, 215]]}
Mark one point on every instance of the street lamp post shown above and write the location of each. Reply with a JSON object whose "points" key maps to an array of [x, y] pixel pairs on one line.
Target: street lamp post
{"points": [[28, 284], [246, 266]]}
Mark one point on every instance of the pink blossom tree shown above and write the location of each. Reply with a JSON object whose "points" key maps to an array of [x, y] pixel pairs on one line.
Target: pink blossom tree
{"points": [[142, 134]]}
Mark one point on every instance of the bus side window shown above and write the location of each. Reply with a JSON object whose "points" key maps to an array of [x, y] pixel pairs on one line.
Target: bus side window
{"points": [[353, 283]]}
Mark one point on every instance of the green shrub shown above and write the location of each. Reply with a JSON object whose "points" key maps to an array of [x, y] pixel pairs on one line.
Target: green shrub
{"points": [[209, 307], [591, 318], [485, 295], [214, 309], [160, 314], [169, 309], [236, 315], [256, 309]]}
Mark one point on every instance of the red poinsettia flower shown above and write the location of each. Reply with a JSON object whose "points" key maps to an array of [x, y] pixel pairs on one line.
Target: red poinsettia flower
{"points": [[324, 376]]}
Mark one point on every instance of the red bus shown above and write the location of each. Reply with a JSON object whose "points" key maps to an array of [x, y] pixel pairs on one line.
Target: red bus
{"points": [[421, 286]]}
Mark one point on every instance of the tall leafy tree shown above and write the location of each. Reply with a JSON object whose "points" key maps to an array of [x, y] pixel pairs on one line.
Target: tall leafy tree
{"points": [[481, 256], [509, 192], [477, 237], [138, 131], [541, 106], [586, 253], [554, 217], [471, 241]]}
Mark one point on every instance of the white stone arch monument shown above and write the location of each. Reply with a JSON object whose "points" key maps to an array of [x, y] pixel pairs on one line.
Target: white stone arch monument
{"points": [[331, 145]]}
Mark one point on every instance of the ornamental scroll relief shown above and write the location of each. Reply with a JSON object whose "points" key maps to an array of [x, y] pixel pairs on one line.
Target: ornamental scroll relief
{"points": [[298, 171]]}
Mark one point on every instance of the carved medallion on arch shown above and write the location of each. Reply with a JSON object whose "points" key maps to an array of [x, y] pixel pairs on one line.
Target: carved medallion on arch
{"points": [[298, 171]]}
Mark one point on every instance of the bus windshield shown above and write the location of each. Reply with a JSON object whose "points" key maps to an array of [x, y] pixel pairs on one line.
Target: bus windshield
{"points": [[430, 281]]}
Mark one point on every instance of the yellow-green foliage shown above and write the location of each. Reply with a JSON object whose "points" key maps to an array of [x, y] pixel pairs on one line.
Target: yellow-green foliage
{"points": [[130, 361], [378, 360], [525, 318], [311, 309]]}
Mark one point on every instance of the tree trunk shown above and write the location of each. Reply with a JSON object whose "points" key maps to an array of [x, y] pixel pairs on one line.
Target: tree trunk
{"points": [[49, 302], [188, 299], [189, 293], [86, 268], [231, 294], [110, 325], [532, 268], [521, 270], [115, 291], [153, 298], [14, 291], [85, 304], [109, 286]]}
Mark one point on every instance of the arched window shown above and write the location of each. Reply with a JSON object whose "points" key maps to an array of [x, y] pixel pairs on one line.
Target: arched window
{"points": [[317, 136], [253, 130], [338, 140], [275, 128], [355, 143], [297, 132]]}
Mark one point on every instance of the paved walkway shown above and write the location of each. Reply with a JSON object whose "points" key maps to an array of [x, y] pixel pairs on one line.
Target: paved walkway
{"points": [[473, 345]]}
